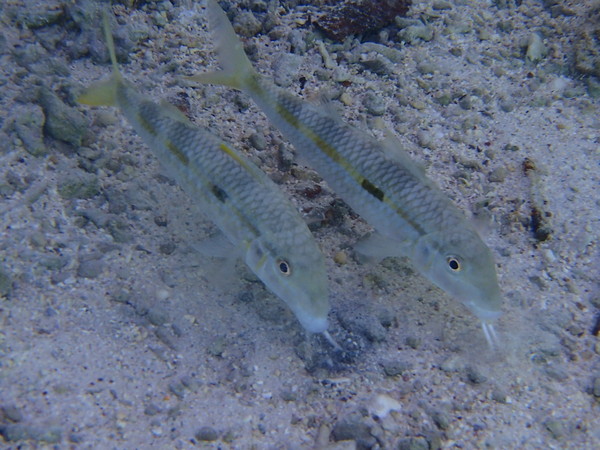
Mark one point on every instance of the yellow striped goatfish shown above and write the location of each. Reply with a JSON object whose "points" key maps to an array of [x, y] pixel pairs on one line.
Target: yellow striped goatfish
{"points": [[412, 216], [237, 196]]}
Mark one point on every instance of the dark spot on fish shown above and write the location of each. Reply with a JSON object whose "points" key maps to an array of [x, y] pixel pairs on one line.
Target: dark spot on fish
{"points": [[372, 189], [146, 125], [177, 152], [219, 193]]}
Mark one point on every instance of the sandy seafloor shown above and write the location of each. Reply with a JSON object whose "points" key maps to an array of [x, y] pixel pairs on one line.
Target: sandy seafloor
{"points": [[115, 332]]}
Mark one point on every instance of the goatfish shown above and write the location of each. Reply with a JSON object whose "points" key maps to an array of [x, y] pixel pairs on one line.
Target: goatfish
{"points": [[246, 205], [411, 215]]}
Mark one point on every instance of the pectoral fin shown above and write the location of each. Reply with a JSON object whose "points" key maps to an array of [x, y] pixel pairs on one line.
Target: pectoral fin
{"points": [[377, 247]]}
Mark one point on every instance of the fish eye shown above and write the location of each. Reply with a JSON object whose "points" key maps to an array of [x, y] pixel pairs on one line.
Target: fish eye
{"points": [[284, 267], [454, 263]]}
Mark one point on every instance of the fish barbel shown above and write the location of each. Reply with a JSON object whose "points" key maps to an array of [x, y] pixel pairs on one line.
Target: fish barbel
{"points": [[411, 214], [245, 204]]}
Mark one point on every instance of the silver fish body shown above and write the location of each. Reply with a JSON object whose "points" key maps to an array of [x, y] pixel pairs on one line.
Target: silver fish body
{"points": [[237, 196], [411, 214]]}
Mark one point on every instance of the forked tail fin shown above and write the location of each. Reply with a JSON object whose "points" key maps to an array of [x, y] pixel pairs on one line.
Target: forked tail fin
{"points": [[236, 69], [104, 93]]}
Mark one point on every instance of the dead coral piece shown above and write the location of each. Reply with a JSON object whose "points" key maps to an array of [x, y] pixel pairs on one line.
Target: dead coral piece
{"points": [[359, 16], [541, 218]]}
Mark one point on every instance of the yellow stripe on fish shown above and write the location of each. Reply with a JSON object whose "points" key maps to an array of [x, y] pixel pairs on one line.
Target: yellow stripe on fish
{"points": [[246, 205], [411, 214]]}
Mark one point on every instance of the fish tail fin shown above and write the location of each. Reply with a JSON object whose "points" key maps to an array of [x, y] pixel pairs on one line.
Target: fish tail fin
{"points": [[104, 93], [237, 70]]}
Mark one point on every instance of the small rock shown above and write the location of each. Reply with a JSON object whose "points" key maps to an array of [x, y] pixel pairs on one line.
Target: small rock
{"points": [[536, 50], [78, 184], [151, 409], [498, 175], [385, 316], [374, 104], [217, 347], [413, 33], [245, 24], [555, 427], [258, 140], [190, 383], [395, 368], [207, 434], [297, 42], [288, 395], [507, 104], [178, 389], [383, 404], [353, 429], [475, 376], [378, 65], [157, 316], [90, 268], [443, 99], [119, 231], [161, 220], [54, 262], [452, 364], [441, 420], [168, 247], [498, 395], [139, 198], [426, 68], [340, 258], [29, 126], [441, 5], [285, 69], [62, 122], [413, 342]]}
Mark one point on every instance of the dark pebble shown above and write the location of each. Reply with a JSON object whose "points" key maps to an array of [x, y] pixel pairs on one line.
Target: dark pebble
{"points": [[161, 220], [151, 409], [168, 247], [62, 121], [353, 429], [395, 368], [207, 434], [475, 376]]}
